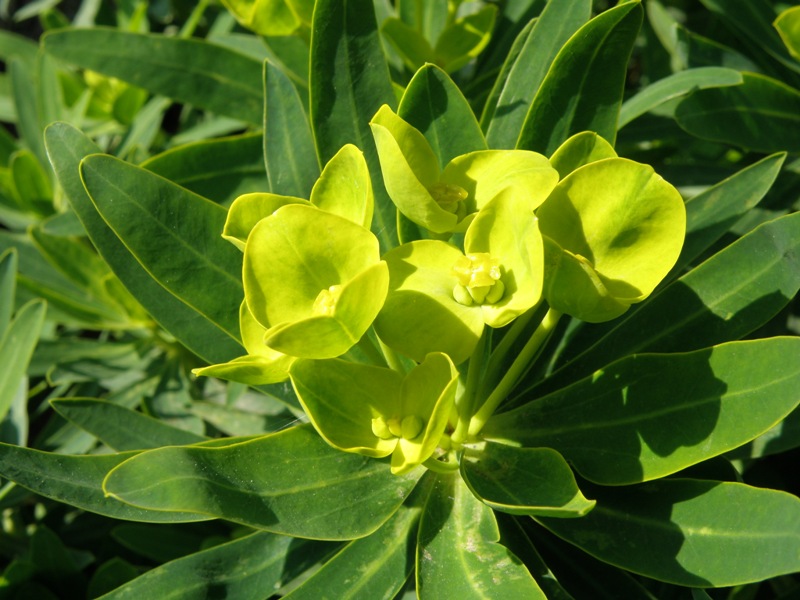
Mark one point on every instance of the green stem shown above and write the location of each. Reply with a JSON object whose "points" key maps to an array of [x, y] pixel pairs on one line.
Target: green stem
{"points": [[194, 18], [466, 404], [438, 466], [515, 371], [499, 354]]}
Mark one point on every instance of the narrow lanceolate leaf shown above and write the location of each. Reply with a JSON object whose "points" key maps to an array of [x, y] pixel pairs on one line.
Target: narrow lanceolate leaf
{"points": [[291, 482], [458, 554], [217, 169], [16, 349], [83, 267], [691, 532], [524, 481], [583, 88], [674, 86], [753, 24], [121, 428], [435, 106], [349, 82], [67, 147], [292, 164], [504, 115], [382, 560], [188, 70], [650, 415], [23, 88], [713, 212], [761, 114], [728, 296], [173, 233], [77, 481], [8, 280], [243, 568]]}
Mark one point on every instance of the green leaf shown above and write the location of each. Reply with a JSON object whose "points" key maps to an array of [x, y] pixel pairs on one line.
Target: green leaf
{"points": [[761, 114], [465, 38], [31, 182], [67, 303], [582, 91], [291, 160], [349, 82], [291, 482], [120, 428], [26, 103], [13, 44], [725, 298], [459, 555], [77, 481], [67, 147], [409, 43], [219, 169], [435, 106], [649, 415], [173, 233], [505, 112], [674, 86], [84, 268], [8, 281], [752, 24], [16, 349], [242, 568], [188, 70], [581, 149], [691, 532], [524, 481], [788, 26], [383, 561], [714, 211]]}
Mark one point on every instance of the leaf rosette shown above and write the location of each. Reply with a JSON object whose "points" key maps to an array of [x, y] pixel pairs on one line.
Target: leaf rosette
{"points": [[612, 230], [440, 298], [376, 411], [446, 200]]}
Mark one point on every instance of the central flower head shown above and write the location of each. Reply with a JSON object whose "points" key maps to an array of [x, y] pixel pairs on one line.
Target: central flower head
{"points": [[450, 197], [478, 276], [445, 199], [325, 304]]}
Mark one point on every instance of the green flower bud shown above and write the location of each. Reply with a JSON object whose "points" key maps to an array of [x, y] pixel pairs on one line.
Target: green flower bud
{"points": [[325, 303], [411, 427], [479, 275], [381, 429]]}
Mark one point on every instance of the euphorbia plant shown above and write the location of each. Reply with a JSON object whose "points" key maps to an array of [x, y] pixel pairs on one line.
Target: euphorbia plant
{"points": [[509, 346]]}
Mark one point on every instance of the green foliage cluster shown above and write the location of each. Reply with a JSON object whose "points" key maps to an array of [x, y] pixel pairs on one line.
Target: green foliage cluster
{"points": [[373, 299]]}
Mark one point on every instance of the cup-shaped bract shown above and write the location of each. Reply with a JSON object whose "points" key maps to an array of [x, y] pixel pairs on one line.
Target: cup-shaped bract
{"points": [[376, 411], [260, 366], [446, 200], [344, 188], [313, 280], [271, 17], [612, 230], [440, 298]]}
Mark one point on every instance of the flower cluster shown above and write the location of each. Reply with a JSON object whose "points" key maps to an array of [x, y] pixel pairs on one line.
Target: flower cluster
{"points": [[387, 352]]}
